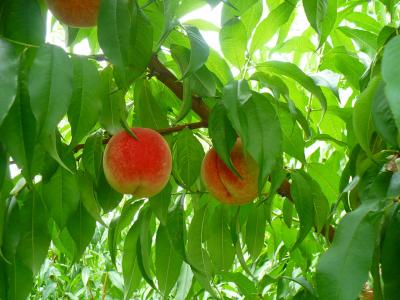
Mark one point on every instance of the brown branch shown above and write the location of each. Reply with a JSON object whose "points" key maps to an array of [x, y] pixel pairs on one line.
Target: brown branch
{"points": [[163, 131], [169, 79], [165, 76]]}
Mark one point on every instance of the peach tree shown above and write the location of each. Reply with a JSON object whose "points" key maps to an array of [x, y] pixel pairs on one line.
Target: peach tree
{"points": [[199, 149]]}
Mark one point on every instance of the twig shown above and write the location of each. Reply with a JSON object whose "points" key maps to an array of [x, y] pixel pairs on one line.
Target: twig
{"points": [[163, 131]]}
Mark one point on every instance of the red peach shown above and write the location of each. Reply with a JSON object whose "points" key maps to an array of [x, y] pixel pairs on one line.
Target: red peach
{"points": [[75, 13], [139, 167], [223, 184]]}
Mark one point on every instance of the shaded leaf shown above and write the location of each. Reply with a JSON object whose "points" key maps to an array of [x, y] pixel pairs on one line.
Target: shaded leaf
{"points": [[343, 269], [168, 262], [188, 155], [219, 243], [124, 34], [83, 113], [61, 195], [50, 87], [8, 77]]}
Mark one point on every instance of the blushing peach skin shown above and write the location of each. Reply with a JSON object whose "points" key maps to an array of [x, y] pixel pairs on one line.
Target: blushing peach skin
{"points": [[139, 167], [223, 184], [75, 13]]}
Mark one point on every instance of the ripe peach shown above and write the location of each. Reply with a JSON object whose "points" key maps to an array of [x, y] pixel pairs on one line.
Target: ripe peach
{"points": [[223, 184], [139, 167], [75, 13]]}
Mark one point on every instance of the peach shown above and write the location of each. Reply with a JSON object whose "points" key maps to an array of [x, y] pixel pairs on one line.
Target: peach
{"points": [[75, 13], [141, 166], [223, 184]]}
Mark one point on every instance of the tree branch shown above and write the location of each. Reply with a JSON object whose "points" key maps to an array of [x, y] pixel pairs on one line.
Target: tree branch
{"points": [[167, 78], [163, 131]]}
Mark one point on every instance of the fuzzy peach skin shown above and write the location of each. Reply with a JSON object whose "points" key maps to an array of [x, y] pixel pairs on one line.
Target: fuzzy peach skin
{"points": [[75, 13], [139, 167], [223, 184]]}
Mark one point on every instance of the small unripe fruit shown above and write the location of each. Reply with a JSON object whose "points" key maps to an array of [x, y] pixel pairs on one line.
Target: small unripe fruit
{"points": [[223, 184], [75, 13], [139, 167]]}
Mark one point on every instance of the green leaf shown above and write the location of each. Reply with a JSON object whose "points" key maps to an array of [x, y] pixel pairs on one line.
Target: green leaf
{"points": [[3, 281], [362, 118], [106, 195], [177, 228], [184, 283], [220, 244], [130, 267], [199, 51], [188, 154], [219, 67], [35, 239], [303, 201], [168, 262], [87, 196], [50, 145], [126, 37], [25, 244], [343, 269], [84, 110], [203, 83], [81, 227], [61, 196], [245, 285], [8, 77], [144, 245], [270, 25], [383, 117], [340, 60], [389, 257], [203, 25], [391, 75], [394, 187], [322, 16], [170, 10], [222, 134], [118, 224], [293, 142], [160, 203], [233, 40], [148, 110], [321, 205], [294, 72], [364, 21], [261, 134], [113, 103], [200, 82], [363, 38], [50, 87], [197, 255], [255, 231], [92, 155], [326, 178], [19, 128], [23, 21], [245, 9], [187, 100], [287, 211]]}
